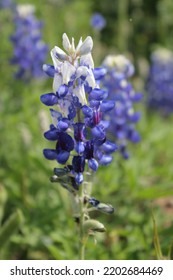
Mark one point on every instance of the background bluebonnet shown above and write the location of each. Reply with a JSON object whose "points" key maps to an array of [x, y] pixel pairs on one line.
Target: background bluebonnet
{"points": [[4, 4], [123, 118], [29, 50], [97, 21], [159, 84]]}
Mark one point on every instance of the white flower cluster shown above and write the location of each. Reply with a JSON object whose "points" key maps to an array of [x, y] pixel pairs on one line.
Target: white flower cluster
{"points": [[73, 65], [120, 64], [24, 10]]}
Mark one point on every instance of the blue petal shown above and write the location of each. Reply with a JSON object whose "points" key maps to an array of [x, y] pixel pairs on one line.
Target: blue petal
{"points": [[98, 132], [78, 163], [137, 97], [87, 111], [105, 160], [135, 117], [135, 137], [79, 178], [99, 73], [62, 125], [49, 99], [51, 134], [65, 142], [109, 147], [98, 94], [80, 147], [50, 154], [62, 156], [93, 164], [107, 105], [62, 91], [49, 70]]}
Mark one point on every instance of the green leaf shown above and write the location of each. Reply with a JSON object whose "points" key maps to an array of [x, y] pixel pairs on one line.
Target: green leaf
{"points": [[10, 226]]}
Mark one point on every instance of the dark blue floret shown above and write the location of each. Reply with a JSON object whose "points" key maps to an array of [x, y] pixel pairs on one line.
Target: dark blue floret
{"points": [[107, 105], [78, 163], [65, 142], [99, 73], [49, 99], [87, 111], [62, 91], [52, 134], [79, 131], [98, 94], [50, 154]]}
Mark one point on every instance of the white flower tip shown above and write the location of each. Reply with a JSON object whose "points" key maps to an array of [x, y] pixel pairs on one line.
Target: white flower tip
{"points": [[24, 10], [59, 53], [86, 46], [66, 42]]}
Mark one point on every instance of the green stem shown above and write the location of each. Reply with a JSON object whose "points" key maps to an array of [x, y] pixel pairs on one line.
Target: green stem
{"points": [[122, 36], [156, 239], [82, 237]]}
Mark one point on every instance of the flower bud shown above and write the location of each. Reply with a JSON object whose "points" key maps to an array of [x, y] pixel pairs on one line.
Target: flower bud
{"points": [[105, 208], [93, 225]]}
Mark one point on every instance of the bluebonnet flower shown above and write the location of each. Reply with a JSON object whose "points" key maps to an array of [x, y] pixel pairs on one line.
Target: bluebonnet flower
{"points": [[123, 118], [29, 49], [4, 4], [78, 105], [160, 81], [97, 21]]}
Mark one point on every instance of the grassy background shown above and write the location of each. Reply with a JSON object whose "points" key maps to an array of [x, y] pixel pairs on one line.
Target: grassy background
{"points": [[42, 226]]}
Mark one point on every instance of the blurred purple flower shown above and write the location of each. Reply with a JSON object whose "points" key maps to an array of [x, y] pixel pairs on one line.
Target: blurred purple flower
{"points": [[4, 4], [160, 81], [97, 21], [29, 49], [123, 117]]}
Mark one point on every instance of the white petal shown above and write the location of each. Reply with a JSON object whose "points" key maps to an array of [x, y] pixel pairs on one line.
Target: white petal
{"points": [[66, 42], [25, 10], [80, 93], [67, 71], [87, 60], [72, 46], [81, 71], [56, 62], [91, 80], [87, 46], [57, 81], [64, 105], [79, 45], [60, 54]]}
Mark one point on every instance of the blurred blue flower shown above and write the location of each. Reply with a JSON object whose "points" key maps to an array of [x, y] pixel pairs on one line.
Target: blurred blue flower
{"points": [[29, 49], [77, 128], [97, 21], [123, 117], [4, 4], [160, 81]]}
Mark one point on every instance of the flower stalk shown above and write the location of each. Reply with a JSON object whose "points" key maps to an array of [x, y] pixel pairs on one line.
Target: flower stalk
{"points": [[78, 129], [82, 236]]}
